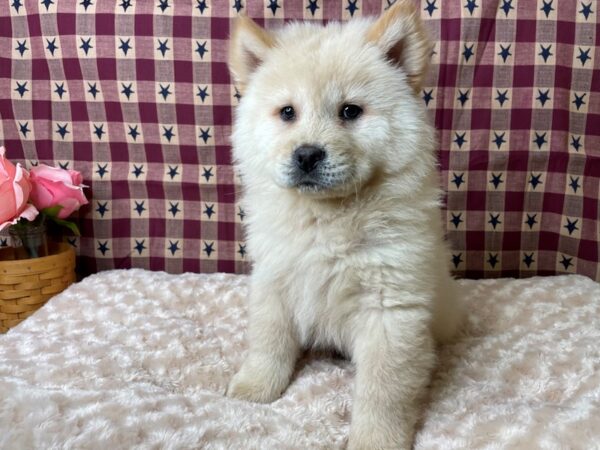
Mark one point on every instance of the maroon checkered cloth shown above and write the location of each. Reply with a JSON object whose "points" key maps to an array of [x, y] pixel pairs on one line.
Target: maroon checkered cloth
{"points": [[136, 95]]}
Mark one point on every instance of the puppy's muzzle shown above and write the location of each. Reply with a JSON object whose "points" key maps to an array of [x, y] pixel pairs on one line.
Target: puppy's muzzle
{"points": [[307, 157]]}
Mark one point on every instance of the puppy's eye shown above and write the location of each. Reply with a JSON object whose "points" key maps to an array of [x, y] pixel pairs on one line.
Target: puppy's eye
{"points": [[287, 113], [350, 112]]}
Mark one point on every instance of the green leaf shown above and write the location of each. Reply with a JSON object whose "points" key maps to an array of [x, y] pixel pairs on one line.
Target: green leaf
{"points": [[65, 223], [52, 211]]}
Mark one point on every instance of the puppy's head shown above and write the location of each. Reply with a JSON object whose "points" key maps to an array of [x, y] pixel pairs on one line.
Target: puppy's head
{"points": [[326, 108]]}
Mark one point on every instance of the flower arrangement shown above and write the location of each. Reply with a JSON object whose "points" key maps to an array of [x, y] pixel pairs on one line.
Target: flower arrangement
{"points": [[29, 198]]}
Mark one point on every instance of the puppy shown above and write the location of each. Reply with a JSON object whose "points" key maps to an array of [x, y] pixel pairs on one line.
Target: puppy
{"points": [[337, 161]]}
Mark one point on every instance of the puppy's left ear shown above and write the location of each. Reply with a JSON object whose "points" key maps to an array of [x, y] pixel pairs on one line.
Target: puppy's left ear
{"points": [[400, 34], [248, 47]]}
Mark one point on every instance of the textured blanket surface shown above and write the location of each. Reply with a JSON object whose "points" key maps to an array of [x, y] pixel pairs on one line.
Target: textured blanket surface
{"points": [[137, 359]]}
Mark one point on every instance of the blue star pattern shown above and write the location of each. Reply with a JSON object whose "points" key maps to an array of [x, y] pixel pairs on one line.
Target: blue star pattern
{"points": [[463, 97], [543, 97], [22, 47], [16, 4], [352, 8], [531, 220], [163, 5], [313, 5], [507, 6], [24, 128], [574, 184], [139, 207], [273, 6], [471, 5], [47, 3], [460, 139], [127, 90], [207, 173], [547, 7], [540, 139], [468, 51], [528, 259], [566, 262], [125, 47], [173, 247], [499, 139], [99, 130], [138, 170], [496, 180], [51, 47], [163, 48], [237, 5], [201, 49], [584, 55], [133, 132], [576, 142], [204, 134], [86, 45], [202, 93], [173, 171], [430, 7], [458, 179], [502, 96], [158, 104], [504, 52], [62, 130], [493, 259], [125, 4], [456, 220], [93, 90], [571, 225], [102, 170], [201, 6], [60, 89], [456, 260], [164, 91], [208, 248], [494, 220], [545, 52], [427, 97], [586, 9], [103, 247], [174, 209], [102, 208], [209, 210], [139, 246], [168, 133], [579, 100], [534, 180], [21, 88]]}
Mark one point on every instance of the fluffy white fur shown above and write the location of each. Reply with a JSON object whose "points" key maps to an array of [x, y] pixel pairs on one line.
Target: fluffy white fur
{"points": [[357, 263], [140, 360]]}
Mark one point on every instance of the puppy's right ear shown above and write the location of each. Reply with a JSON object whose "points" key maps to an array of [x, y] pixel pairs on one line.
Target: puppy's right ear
{"points": [[248, 47]]}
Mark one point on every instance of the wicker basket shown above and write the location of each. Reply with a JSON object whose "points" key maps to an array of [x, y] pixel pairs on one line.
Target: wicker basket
{"points": [[26, 284]]}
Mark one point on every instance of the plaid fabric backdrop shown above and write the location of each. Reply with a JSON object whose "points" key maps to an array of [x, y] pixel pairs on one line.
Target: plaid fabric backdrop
{"points": [[136, 95]]}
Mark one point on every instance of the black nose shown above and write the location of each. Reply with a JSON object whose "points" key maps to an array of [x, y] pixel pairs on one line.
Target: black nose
{"points": [[307, 157]]}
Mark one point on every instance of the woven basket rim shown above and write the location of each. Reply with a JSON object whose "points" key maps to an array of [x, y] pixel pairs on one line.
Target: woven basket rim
{"points": [[13, 265]]}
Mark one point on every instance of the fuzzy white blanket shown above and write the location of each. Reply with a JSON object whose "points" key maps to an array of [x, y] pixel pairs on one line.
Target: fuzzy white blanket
{"points": [[137, 359]]}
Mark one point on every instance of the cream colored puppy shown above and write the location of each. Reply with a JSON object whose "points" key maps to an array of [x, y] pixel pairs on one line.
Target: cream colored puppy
{"points": [[336, 157]]}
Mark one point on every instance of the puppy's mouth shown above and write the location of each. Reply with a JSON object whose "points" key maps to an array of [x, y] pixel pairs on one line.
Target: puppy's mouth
{"points": [[308, 186]]}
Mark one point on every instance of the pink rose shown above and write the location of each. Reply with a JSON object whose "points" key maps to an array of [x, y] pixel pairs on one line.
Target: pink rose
{"points": [[14, 192], [53, 186]]}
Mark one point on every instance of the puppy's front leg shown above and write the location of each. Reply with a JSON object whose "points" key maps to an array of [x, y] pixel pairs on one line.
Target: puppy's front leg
{"points": [[273, 350], [394, 356]]}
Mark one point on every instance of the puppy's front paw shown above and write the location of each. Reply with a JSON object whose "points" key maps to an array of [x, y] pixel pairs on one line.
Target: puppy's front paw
{"points": [[373, 441], [255, 385]]}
